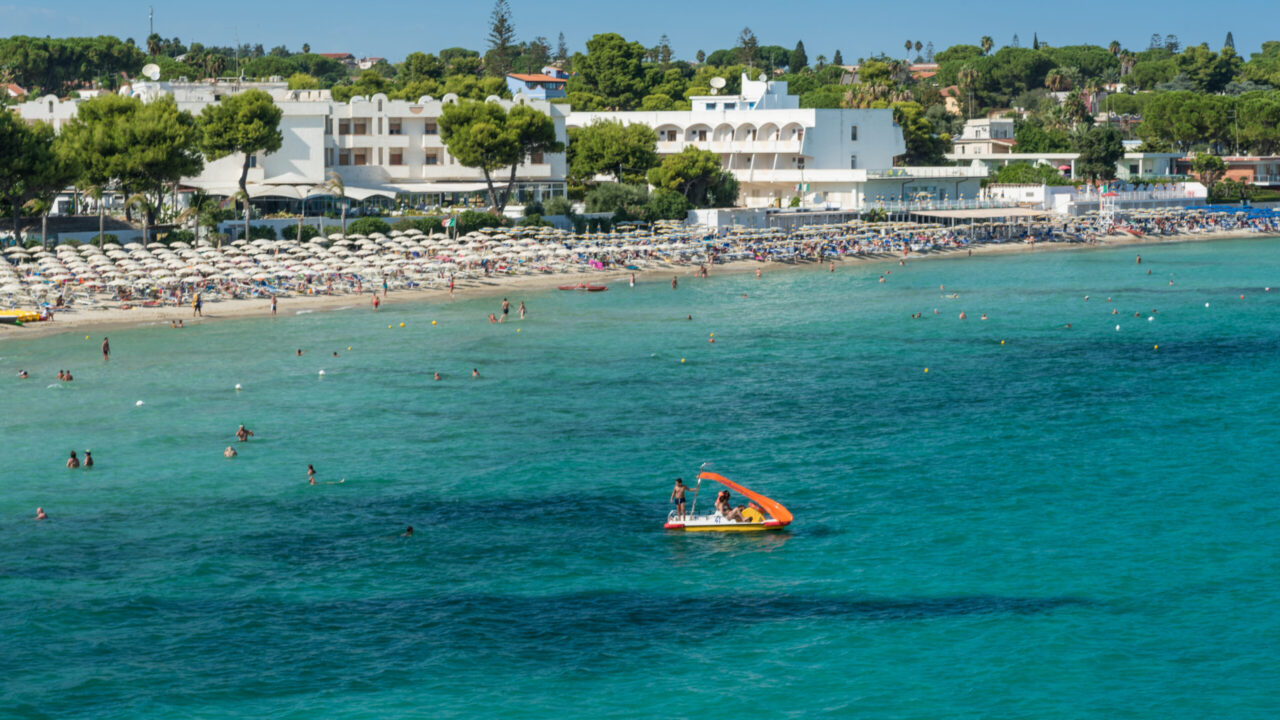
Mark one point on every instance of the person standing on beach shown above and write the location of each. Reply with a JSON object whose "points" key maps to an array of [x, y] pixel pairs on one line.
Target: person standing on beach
{"points": [[196, 305], [451, 286], [106, 349], [73, 462], [633, 279], [384, 286], [273, 306]]}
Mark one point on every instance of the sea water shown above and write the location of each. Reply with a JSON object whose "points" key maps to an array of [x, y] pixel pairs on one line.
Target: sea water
{"points": [[1049, 522]]}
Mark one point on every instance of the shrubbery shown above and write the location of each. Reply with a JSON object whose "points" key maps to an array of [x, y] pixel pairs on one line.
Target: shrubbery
{"points": [[368, 226], [262, 232]]}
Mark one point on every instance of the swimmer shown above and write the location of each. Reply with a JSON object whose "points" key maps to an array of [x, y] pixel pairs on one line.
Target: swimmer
{"points": [[408, 532], [243, 435], [1067, 326], [881, 278], [435, 376], [1148, 271], [299, 352], [22, 374], [689, 318], [73, 462], [833, 267], [475, 372], [62, 375], [1139, 260], [41, 514], [633, 282], [335, 353], [88, 459], [963, 316], [311, 474], [68, 378], [230, 452], [492, 318], [1115, 311], [757, 272], [984, 316]]}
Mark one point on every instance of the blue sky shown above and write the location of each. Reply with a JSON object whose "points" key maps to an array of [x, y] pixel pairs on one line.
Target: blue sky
{"points": [[394, 28]]}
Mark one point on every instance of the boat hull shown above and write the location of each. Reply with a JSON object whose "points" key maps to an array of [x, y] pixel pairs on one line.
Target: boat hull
{"points": [[719, 524]]}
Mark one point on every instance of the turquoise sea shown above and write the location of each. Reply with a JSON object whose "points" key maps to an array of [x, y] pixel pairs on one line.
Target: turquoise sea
{"points": [[1072, 524]]}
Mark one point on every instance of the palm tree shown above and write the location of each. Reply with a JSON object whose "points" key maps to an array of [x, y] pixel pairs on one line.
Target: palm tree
{"points": [[965, 78], [919, 47], [1127, 60], [144, 204], [192, 215], [1058, 80], [335, 186], [986, 44], [1114, 47], [907, 45]]}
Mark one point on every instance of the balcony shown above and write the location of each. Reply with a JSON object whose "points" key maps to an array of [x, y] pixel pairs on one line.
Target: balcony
{"points": [[913, 173]]}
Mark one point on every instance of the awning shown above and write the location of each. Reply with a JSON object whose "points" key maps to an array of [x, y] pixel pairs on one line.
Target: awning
{"points": [[444, 187], [981, 213]]}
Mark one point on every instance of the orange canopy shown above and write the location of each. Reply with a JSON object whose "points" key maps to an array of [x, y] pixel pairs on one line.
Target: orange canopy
{"points": [[773, 507]]}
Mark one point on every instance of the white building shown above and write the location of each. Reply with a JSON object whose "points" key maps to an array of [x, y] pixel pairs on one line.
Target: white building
{"points": [[378, 146], [990, 142], [777, 150]]}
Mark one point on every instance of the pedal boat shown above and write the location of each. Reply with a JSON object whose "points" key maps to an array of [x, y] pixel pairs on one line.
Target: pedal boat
{"points": [[771, 515]]}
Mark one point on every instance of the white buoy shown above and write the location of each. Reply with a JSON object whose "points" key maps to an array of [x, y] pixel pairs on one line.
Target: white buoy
{"points": [[1206, 304], [1117, 328], [139, 403], [321, 372], [237, 386]]}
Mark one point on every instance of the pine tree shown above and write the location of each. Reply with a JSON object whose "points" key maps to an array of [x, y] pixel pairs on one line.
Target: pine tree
{"points": [[701, 57], [837, 59], [799, 59], [928, 51], [1015, 42], [747, 47], [1155, 41], [562, 50], [664, 50], [1035, 41], [502, 37], [1230, 42]]}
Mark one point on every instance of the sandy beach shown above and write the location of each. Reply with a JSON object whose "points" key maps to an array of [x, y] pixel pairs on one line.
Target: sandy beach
{"points": [[105, 318]]}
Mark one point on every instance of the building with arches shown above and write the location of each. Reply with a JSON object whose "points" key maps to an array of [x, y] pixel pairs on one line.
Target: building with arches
{"points": [[828, 158]]}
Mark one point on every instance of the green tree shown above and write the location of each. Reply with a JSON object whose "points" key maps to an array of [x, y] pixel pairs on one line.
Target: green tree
{"points": [[1033, 137], [502, 37], [625, 198], [1100, 149], [163, 147], [609, 147], [97, 138], [32, 167], [666, 205], [1209, 169], [303, 81], [837, 59], [986, 44], [924, 145], [747, 47], [611, 69], [799, 59], [486, 136], [419, 66], [246, 123], [334, 185], [697, 175]]}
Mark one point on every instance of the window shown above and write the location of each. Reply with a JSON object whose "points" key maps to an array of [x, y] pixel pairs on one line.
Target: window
{"points": [[393, 127], [710, 106], [344, 157], [360, 126], [397, 157], [853, 134], [344, 127], [253, 161], [430, 129], [800, 163], [361, 157], [328, 157], [853, 162], [328, 126], [432, 159], [702, 136], [731, 106], [671, 136], [535, 158]]}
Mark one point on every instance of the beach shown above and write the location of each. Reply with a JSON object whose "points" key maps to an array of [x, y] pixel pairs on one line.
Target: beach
{"points": [[499, 285]]}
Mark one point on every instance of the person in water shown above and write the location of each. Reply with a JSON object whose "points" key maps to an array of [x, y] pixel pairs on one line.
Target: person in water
{"points": [[475, 372], [435, 376], [311, 474], [22, 374], [41, 514], [522, 310], [299, 352], [243, 434], [73, 461], [230, 452], [677, 496], [106, 349], [408, 532], [673, 282], [506, 309], [88, 458]]}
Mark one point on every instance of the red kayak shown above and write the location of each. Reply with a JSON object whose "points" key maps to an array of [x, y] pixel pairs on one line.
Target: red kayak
{"points": [[584, 287]]}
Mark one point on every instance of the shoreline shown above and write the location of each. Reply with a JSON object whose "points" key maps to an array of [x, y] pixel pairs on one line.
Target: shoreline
{"points": [[82, 320]]}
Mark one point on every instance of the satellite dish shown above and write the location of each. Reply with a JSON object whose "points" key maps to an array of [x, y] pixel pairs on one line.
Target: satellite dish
{"points": [[718, 83], [151, 70], [761, 77]]}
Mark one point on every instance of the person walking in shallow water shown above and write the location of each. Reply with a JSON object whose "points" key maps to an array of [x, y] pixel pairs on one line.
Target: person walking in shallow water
{"points": [[106, 349]]}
